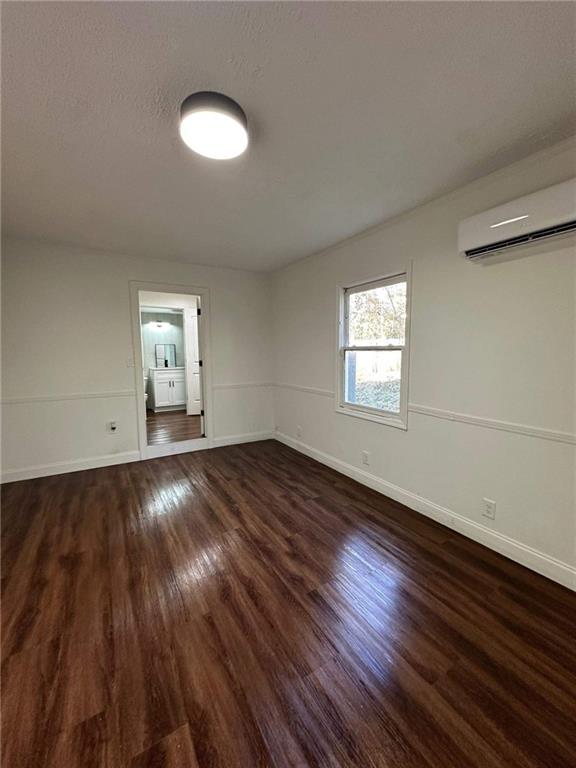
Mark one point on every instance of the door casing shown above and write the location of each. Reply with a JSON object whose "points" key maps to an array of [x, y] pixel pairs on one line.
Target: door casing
{"points": [[185, 446]]}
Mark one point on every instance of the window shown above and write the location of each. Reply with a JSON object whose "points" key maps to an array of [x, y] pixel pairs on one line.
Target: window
{"points": [[373, 356]]}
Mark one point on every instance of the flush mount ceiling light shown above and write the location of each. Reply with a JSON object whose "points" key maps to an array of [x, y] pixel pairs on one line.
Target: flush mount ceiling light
{"points": [[213, 125]]}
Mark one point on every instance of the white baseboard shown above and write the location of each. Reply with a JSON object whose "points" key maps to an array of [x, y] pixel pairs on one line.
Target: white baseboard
{"points": [[249, 437], [554, 569], [62, 467], [77, 465]]}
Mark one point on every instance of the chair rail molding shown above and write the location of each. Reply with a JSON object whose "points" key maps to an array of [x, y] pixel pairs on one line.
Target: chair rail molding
{"points": [[310, 390], [242, 385], [67, 396], [528, 430], [504, 426]]}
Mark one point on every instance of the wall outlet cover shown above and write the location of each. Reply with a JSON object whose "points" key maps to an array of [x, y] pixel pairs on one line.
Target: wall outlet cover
{"points": [[489, 509]]}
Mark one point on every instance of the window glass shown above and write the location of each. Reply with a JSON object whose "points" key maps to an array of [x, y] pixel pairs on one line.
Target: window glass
{"points": [[377, 316], [372, 379]]}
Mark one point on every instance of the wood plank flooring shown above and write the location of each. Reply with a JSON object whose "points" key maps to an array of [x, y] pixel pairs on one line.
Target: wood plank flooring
{"points": [[247, 607], [172, 427]]}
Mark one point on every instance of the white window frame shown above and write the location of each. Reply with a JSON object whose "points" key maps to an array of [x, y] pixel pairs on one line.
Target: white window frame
{"points": [[391, 419]]}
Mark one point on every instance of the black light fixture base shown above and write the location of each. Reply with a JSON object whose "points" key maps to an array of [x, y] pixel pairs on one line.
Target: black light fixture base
{"points": [[213, 101]]}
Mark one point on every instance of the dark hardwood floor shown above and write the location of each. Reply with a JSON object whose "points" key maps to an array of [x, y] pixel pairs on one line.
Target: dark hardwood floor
{"points": [[246, 607], [171, 427]]}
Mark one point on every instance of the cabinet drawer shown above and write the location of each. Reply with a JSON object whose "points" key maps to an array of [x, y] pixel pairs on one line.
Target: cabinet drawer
{"points": [[169, 375]]}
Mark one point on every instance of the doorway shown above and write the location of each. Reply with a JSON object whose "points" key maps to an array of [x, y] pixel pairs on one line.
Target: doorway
{"points": [[171, 401]]}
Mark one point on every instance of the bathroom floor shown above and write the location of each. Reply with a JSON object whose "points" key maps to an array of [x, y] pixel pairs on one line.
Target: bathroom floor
{"points": [[172, 427]]}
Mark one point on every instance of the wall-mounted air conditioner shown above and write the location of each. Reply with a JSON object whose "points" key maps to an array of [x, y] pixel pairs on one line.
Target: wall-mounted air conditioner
{"points": [[536, 218]]}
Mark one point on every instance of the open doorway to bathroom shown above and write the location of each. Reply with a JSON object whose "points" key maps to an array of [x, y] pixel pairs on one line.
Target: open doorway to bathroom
{"points": [[172, 366]]}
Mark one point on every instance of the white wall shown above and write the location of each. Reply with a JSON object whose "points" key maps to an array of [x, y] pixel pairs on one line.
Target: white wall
{"points": [[68, 354], [492, 342]]}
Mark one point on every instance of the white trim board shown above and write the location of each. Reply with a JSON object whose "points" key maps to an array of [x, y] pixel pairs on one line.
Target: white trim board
{"points": [[311, 390], [71, 396], [74, 465], [119, 393], [248, 437], [242, 385], [554, 569], [528, 430], [108, 460], [503, 426]]}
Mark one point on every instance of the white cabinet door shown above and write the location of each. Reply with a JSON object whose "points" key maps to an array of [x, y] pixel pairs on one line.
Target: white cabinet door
{"points": [[179, 391], [162, 393]]}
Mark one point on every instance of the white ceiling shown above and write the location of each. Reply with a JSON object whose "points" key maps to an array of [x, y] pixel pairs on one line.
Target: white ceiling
{"points": [[357, 111]]}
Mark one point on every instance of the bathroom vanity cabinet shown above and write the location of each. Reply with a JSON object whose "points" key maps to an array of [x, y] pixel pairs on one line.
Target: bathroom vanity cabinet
{"points": [[167, 388]]}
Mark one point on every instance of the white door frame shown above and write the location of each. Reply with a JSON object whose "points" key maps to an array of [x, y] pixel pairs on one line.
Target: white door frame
{"points": [[184, 446]]}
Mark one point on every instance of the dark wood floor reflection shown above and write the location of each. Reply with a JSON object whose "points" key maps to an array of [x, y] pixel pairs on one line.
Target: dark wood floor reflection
{"points": [[246, 607], [172, 427]]}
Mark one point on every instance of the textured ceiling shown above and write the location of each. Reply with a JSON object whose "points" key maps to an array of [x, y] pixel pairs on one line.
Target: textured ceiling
{"points": [[357, 110]]}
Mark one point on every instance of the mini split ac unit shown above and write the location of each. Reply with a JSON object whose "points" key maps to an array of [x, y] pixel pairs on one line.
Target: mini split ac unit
{"points": [[536, 218]]}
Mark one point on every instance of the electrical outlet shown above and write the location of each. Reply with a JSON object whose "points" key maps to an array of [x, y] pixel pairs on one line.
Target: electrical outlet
{"points": [[112, 427], [366, 458], [298, 431], [489, 509]]}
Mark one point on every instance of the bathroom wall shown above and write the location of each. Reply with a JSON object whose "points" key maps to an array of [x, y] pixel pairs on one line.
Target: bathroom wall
{"points": [[171, 332]]}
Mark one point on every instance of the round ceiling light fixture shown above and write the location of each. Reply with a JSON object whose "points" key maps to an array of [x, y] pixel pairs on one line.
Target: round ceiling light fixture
{"points": [[213, 125]]}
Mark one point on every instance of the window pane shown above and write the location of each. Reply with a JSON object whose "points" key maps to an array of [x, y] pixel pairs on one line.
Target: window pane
{"points": [[372, 379], [377, 317]]}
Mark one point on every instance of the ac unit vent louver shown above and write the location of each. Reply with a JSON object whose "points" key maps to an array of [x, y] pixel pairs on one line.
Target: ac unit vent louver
{"points": [[541, 234]]}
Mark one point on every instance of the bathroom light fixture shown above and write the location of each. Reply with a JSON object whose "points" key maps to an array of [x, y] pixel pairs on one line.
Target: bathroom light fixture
{"points": [[213, 125]]}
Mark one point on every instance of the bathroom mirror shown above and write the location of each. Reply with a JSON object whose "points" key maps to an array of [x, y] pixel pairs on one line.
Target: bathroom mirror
{"points": [[165, 355]]}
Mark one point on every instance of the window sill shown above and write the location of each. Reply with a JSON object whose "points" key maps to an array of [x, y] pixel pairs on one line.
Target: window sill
{"points": [[390, 421]]}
